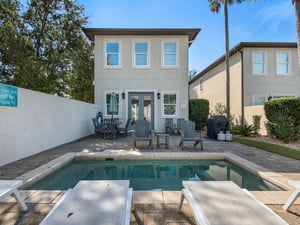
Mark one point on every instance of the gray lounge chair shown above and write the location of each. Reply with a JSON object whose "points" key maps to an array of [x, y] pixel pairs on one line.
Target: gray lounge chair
{"points": [[169, 125], [123, 131], [178, 126], [179, 123], [188, 133], [142, 132], [99, 130]]}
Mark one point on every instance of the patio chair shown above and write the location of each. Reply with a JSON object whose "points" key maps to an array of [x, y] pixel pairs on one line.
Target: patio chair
{"points": [[110, 129], [223, 202], [142, 132], [9, 187], [179, 123], [169, 125], [123, 131], [294, 195], [188, 133], [93, 202], [178, 126], [99, 130]]}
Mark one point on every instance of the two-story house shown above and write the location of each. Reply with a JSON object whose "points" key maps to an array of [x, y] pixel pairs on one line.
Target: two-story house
{"points": [[147, 69], [258, 71]]}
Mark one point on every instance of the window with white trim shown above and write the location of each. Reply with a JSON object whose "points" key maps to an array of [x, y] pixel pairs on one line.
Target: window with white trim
{"points": [[259, 63], [169, 53], [259, 100], [141, 54], [107, 103], [201, 84], [169, 104], [112, 54], [282, 61]]}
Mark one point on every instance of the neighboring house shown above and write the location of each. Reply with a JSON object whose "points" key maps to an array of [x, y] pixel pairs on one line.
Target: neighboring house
{"points": [[258, 71], [146, 68]]}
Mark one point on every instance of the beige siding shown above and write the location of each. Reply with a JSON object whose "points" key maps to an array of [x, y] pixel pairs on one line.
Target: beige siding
{"points": [[214, 86], [271, 84], [258, 110]]}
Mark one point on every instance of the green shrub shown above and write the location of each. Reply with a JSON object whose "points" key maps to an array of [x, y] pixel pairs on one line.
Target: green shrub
{"points": [[221, 110], [244, 130], [283, 127], [289, 106], [198, 112], [283, 118]]}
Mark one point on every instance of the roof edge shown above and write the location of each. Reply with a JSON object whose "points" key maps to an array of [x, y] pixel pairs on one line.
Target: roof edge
{"points": [[92, 32]]}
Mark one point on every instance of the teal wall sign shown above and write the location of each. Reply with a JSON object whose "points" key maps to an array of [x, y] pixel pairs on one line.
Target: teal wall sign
{"points": [[8, 95]]}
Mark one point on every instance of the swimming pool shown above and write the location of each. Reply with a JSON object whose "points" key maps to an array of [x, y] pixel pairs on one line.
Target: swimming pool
{"points": [[150, 174]]}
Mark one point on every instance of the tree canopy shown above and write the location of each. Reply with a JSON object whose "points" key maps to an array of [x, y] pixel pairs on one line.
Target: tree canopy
{"points": [[43, 48]]}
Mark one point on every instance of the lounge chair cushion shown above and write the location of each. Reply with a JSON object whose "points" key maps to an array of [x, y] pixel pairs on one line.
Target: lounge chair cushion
{"points": [[223, 202], [93, 202]]}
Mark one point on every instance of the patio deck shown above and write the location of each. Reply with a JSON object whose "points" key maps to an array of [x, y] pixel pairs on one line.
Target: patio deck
{"points": [[152, 207]]}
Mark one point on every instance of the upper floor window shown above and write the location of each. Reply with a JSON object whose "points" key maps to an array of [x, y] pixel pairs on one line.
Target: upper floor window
{"points": [[169, 53], [169, 104], [112, 54], [141, 58], [259, 63], [283, 67]]}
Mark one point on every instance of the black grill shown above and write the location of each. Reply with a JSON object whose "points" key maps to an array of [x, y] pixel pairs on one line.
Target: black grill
{"points": [[215, 124]]}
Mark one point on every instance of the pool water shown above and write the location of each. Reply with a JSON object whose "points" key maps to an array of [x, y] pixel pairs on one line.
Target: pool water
{"points": [[150, 174]]}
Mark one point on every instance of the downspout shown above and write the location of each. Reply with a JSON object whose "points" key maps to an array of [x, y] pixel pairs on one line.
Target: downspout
{"points": [[242, 87]]}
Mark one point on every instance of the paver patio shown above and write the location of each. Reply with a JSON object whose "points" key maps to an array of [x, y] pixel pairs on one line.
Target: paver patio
{"points": [[152, 207]]}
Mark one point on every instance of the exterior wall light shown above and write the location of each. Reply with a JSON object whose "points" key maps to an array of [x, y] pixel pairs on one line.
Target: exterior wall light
{"points": [[123, 95], [158, 95]]}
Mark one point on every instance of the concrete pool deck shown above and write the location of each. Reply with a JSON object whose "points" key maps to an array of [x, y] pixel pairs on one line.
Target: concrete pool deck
{"points": [[152, 207]]}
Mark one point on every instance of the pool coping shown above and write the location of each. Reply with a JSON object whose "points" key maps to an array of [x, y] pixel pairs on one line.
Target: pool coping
{"points": [[40, 172]]}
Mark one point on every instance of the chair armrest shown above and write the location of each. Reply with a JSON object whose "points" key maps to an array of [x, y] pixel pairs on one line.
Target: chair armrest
{"points": [[152, 132], [181, 132], [199, 132]]}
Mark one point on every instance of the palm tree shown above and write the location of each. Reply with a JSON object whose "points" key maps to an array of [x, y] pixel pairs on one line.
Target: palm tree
{"points": [[297, 12], [215, 6]]}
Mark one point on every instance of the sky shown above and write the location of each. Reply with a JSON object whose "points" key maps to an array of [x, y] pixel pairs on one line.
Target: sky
{"points": [[251, 21]]}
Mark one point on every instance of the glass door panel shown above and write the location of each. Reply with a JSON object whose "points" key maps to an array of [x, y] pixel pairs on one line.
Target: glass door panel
{"points": [[134, 102], [141, 105]]}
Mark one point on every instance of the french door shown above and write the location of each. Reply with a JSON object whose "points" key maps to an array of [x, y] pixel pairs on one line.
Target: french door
{"points": [[141, 106]]}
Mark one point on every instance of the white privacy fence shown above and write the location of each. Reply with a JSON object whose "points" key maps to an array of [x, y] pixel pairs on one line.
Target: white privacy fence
{"points": [[40, 121]]}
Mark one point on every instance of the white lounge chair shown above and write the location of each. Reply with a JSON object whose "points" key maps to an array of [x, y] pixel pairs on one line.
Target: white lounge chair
{"points": [[223, 202], [294, 195], [93, 202], [9, 187]]}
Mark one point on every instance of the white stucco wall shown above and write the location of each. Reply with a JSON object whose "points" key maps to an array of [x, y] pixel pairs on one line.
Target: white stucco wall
{"points": [[41, 121], [154, 79]]}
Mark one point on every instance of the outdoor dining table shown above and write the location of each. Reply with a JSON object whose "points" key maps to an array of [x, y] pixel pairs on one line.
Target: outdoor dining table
{"points": [[111, 128]]}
